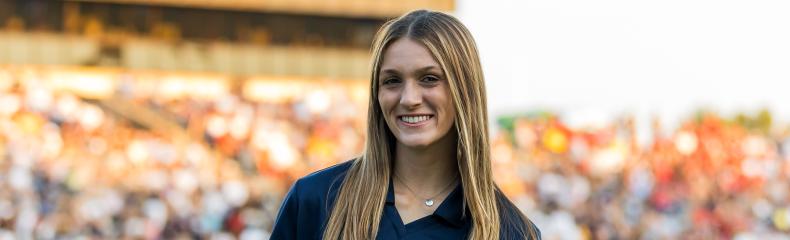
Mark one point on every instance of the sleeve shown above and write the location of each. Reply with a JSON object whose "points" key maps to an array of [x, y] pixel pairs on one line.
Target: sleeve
{"points": [[287, 218]]}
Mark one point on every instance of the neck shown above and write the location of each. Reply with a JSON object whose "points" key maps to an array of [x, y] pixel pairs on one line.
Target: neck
{"points": [[430, 168]]}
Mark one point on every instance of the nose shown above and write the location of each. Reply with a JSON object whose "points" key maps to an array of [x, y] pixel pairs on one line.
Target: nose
{"points": [[411, 96]]}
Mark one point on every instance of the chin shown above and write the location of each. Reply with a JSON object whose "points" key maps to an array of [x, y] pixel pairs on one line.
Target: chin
{"points": [[416, 145], [417, 142]]}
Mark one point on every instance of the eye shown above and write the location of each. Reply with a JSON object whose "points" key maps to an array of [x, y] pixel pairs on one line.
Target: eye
{"points": [[430, 79], [390, 81]]}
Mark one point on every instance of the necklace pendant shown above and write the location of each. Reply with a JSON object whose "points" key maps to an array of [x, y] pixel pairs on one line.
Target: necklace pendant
{"points": [[429, 202]]}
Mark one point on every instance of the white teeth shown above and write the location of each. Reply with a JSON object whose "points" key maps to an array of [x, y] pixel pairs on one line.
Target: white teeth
{"points": [[415, 119]]}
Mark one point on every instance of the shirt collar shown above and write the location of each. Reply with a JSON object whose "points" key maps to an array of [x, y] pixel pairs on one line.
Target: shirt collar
{"points": [[451, 210]]}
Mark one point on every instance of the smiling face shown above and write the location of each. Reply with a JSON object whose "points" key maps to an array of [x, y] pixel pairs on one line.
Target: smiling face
{"points": [[414, 95]]}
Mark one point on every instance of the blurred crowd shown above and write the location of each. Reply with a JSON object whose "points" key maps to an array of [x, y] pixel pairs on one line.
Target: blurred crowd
{"points": [[711, 178], [74, 167]]}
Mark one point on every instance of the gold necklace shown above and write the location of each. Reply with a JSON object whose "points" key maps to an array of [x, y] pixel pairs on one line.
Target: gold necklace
{"points": [[428, 201]]}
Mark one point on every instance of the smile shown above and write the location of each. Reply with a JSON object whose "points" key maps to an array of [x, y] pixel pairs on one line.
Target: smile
{"points": [[415, 119]]}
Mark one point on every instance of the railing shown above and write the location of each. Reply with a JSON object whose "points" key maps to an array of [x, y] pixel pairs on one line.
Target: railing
{"points": [[346, 8], [215, 56]]}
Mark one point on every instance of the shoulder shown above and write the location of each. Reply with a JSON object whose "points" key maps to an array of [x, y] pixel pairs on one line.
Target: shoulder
{"points": [[325, 177], [514, 224], [305, 208], [322, 182]]}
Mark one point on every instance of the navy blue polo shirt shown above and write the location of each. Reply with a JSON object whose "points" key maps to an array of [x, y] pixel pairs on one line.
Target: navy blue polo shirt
{"points": [[307, 206]]}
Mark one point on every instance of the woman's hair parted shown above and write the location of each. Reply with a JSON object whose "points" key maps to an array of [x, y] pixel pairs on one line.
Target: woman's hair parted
{"points": [[359, 205]]}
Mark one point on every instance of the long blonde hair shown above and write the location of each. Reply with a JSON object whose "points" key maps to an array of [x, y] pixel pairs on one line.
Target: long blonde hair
{"points": [[359, 205]]}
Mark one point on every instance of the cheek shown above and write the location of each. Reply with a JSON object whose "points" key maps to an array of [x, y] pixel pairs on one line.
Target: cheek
{"points": [[445, 108], [448, 120], [385, 102], [449, 115], [448, 107]]}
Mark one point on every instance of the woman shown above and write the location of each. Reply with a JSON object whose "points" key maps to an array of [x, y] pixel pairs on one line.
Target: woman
{"points": [[426, 169]]}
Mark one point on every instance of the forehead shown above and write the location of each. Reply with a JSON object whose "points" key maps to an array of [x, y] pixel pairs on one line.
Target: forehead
{"points": [[406, 54]]}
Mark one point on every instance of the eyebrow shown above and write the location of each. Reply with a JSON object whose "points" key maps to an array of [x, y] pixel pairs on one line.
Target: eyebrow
{"points": [[424, 69]]}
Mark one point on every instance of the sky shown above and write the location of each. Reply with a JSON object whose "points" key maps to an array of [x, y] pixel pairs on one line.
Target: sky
{"points": [[593, 60]]}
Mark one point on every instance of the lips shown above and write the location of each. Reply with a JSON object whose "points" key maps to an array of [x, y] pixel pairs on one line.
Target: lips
{"points": [[414, 120]]}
